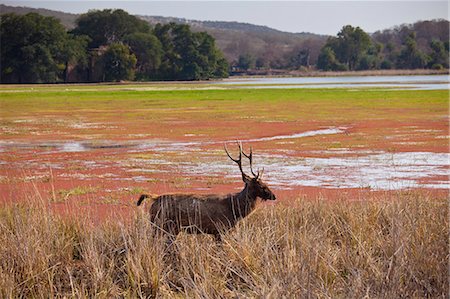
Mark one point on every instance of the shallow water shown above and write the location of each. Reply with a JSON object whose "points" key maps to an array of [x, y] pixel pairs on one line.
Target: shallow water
{"points": [[379, 171], [328, 131], [424, 82], [156, 145], [335, 168]]}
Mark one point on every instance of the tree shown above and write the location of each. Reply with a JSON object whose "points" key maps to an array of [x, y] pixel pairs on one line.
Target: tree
{"points": [[386, 65], [390, 55], [327, 61], [371, 59], [188, 55], [351, 44], [36, 49], [299, 58], [74, 52], [439, 54], [246, 62], [410, 56], [148, 51], [222, 67], [118, 63], [260, 63], [108, 26], [210, 58]]}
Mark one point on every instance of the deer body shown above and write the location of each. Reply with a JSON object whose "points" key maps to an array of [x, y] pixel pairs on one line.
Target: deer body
{"points": [[210, 214]]}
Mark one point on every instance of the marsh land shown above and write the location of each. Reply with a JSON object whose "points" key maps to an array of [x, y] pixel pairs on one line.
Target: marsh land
{"points": [[361, 175]]}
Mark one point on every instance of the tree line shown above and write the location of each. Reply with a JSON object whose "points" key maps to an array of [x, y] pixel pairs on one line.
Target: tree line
{"points": [[420, 45], [111, 45], [106, 45], [354, 49]]}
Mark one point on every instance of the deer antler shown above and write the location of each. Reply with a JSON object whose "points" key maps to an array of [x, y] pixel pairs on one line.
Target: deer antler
{"points": [[237, 161], [250, 158]]}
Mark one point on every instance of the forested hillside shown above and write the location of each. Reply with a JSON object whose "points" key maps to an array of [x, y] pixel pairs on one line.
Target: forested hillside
{"points": [[106, 45], [266, 47], [249, 48]]}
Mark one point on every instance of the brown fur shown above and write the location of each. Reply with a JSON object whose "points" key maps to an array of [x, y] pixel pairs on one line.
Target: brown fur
{"points": [[210, 214]]}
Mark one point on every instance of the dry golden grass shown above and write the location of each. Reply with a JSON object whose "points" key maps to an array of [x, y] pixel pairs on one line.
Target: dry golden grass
{"points": [[378, 248]]}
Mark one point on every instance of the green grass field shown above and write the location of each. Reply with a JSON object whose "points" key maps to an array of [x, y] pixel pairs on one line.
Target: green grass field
{"points": [[41, 99], [208, 111]]}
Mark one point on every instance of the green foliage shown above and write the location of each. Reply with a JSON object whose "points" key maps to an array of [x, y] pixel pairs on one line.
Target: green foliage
{"points": [[372, 59], [222, 68], [246, 62], [327, 61], [118, 63], [439, 54], [353, 49], [188, 55], [350, 45], [386, 65], [108, 26], [37, 49], [410, 56], [148, 51], [74, 52], [417, 45]]}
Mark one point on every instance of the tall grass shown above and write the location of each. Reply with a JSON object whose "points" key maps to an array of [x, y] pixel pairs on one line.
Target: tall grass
{"points": [[312, 249]]}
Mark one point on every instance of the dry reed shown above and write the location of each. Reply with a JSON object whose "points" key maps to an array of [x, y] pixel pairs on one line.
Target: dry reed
{"points": [[305, 249]]}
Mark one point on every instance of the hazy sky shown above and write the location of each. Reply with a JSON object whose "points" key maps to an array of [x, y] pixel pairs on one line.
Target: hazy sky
{"points": [[323, 17]]}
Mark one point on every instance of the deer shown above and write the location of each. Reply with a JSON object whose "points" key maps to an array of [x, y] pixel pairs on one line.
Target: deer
{"points": [[209, 213]]}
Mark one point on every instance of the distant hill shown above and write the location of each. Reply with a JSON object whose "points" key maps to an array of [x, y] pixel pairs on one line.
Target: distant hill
{"points": [[270, 47], [233, 38], [425, 31], [67, 19]]}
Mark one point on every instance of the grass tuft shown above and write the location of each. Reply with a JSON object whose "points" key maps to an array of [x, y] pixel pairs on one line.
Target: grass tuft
{"points": [[374, 249]]}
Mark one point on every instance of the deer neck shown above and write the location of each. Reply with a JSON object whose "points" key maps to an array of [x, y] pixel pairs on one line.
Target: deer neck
{"points": [[243, 203]]}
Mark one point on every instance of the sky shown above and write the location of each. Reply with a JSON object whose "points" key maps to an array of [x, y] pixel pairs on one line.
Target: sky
{"points": [[321, 17]]}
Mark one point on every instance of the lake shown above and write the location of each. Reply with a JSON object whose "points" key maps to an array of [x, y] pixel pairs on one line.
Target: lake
{"points": [[429, 82]]}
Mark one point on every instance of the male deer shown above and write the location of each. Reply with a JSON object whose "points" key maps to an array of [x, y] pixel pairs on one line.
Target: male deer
{"points": [[210, 214]]}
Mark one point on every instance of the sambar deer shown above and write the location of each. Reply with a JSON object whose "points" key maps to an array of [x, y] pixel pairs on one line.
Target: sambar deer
{"points": [[210, 214]]}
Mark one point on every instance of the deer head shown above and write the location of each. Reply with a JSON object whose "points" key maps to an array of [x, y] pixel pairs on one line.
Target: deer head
{"points": [[253, 183]]}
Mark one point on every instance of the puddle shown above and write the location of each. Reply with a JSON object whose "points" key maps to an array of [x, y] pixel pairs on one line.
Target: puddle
{"points": [[341, 168], [68, 146], [382, 171], [328, 131], [156, 145], [167, 146], [72, 147], [88, 125]]}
